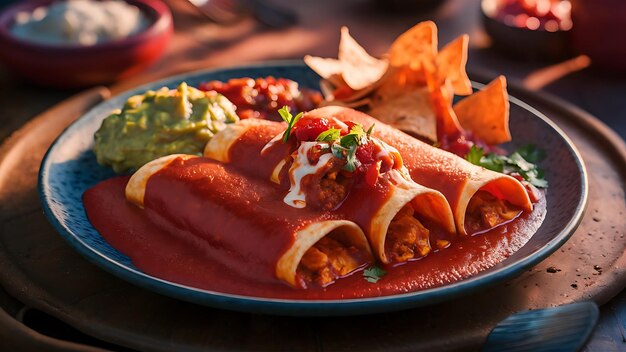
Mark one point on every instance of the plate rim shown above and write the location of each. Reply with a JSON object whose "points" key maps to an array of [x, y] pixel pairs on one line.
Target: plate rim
{"points": [[301, 307]]}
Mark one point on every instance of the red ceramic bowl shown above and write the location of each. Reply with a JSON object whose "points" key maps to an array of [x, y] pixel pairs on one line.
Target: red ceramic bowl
{"points": [[81, 66]]}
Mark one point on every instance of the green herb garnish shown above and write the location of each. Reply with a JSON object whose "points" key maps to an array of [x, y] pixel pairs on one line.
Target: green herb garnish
{"points": [[347, 145], [356, 136], [522, 161], [330, 135], [370, 130], [474, 155], [351, 161], [290, 119], [374, 273]]}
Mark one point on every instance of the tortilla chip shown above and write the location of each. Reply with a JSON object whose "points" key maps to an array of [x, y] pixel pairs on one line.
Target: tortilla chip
{"points": [[441, 94], [327, 89], [348, 104], [410, 112], [336, 79], [324, 67], [398, 81], [360, 69], [451, 62], [416, 47], [486, 112]]}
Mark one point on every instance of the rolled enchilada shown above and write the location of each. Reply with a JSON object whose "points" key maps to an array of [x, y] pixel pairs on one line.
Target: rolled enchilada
{"points": [[247, 228], [481, 199], [356, 176]]}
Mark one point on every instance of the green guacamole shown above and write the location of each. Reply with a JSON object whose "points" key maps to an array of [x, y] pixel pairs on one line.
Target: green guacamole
{"points": [[160, 123]]}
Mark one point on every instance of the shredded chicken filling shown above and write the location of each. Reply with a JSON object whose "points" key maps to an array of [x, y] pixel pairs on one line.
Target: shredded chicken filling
{"points": [[327, 261], [329, 191], [484, 212], [406, 238]]}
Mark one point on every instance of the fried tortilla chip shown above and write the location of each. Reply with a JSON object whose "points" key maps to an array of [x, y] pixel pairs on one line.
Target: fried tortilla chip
{"points": [[441, 95], [324, 67], [486, 112], [410, 112], [348, 104], [397, 81], [360, 68], [416, 47], [451, 62]]}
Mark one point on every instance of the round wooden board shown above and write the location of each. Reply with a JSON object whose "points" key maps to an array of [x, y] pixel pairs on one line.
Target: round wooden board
{"points": [[43, 272]]}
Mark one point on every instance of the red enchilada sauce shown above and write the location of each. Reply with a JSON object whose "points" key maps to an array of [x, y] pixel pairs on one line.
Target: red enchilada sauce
{"points": [[159, 250], [160, 254]]}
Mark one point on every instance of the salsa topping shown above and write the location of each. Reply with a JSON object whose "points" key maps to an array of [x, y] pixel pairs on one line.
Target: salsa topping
{"points": [[262, 97], [331, 156]]}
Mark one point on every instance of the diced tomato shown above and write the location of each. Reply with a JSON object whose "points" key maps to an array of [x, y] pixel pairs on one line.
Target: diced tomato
{"points": [[307, 129], [365, 153], [372, 172], [461, 146], [314, 154], [350, 124], [264, 96]]}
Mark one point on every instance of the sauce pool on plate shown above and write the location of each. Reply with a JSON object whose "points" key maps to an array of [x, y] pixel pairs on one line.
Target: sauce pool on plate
{"points": [[182, 260]]}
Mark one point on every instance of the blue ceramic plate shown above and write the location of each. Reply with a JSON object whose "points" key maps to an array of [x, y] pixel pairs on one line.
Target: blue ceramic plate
{"points": [[69, 168]]}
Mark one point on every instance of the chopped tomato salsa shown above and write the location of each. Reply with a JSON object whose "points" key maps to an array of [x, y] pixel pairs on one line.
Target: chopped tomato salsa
{"points": [[262, 97]]}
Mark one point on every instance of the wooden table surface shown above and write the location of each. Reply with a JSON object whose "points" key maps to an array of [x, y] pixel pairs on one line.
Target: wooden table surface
{"points": [[201, 44]]}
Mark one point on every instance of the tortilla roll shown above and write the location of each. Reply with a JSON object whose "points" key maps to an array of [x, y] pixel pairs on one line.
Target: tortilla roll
{"points": [[460, 181], [255, 148], [246, 225]]}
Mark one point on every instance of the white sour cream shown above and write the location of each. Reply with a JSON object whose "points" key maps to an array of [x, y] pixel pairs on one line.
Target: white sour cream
{"points": [[82, 22], [301, 168]]}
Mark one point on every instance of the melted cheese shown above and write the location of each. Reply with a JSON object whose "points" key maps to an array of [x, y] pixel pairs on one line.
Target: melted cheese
{"points": [[301, 168]]}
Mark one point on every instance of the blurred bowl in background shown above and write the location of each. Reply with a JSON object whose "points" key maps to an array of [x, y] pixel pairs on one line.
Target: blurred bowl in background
{"points": [[524, 36], [600, 32], [71, 66]]}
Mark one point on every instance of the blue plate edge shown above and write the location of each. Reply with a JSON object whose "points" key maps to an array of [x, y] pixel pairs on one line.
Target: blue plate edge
{"points": [[310, 307]]}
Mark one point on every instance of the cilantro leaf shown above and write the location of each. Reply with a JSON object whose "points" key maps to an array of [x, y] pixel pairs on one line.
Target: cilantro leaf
{"points": [[290, 119], [493, 162], [332, 134], [356, 136], [338, 151], [522, 161], [531, 153], [351, 161], [474, 155], [374, 273]]}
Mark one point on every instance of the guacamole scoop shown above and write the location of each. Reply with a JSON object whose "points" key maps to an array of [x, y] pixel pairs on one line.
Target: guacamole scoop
{"points": [[158, 123]]}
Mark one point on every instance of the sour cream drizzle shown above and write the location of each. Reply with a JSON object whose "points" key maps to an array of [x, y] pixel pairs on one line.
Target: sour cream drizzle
{"points": [[300, 168]]}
